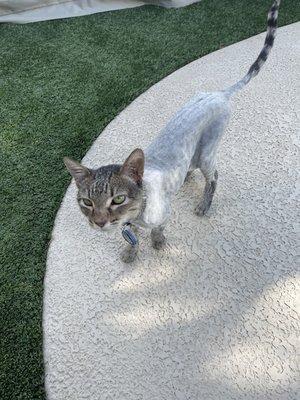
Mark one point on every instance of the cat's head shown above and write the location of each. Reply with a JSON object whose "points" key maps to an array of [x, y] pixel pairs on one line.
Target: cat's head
{"points": [[110, 195]]}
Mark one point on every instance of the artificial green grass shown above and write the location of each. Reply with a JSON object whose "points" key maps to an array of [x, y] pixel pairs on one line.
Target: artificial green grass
{"points": [[61, 82]]}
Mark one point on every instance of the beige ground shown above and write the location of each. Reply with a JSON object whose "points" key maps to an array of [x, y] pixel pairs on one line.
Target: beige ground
{"points": [[213, 315]]}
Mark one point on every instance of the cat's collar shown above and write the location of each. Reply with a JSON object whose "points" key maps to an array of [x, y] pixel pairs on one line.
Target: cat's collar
{"points": [[129, 235]]}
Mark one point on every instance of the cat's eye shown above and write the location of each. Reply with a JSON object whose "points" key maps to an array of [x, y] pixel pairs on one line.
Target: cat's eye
{"points": [[119, 199], [87, 202]]}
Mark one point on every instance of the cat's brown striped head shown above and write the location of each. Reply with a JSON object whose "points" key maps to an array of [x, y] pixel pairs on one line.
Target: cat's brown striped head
{"points": [[110, 195]]}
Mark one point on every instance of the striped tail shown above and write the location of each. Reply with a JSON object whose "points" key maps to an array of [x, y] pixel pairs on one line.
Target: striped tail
{"points": [[263, 55]]}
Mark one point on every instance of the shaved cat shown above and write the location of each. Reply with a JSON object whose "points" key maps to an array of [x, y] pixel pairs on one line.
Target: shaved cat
{"points": [[140, 191]]}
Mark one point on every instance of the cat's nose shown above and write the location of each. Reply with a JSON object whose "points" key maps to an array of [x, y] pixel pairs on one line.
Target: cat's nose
{"points": [[101, 223]]}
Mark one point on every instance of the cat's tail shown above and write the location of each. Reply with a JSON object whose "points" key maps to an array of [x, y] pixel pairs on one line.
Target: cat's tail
{"points": [[263, 55]]}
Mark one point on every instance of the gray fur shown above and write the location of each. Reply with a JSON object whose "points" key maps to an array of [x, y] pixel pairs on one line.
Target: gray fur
{"points": [[189, 141], [149, 180], [158, 239], [129, 253]]}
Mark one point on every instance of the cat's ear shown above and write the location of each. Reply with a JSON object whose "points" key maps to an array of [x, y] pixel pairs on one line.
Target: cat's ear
{"points": [[80, 173], [133, 167]]}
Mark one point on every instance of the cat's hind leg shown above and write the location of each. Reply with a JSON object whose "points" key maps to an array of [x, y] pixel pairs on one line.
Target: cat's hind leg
{"points": [[211, 178], [188, 175], [205, 160]]}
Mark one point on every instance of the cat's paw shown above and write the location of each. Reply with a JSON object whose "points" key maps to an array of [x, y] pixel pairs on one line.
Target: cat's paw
{"points": [[188, 177], [128, 255], [201, 210], [159, 243]]}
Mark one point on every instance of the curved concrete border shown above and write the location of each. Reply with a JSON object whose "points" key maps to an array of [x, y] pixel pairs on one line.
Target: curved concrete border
{"points": [[213, 315]]}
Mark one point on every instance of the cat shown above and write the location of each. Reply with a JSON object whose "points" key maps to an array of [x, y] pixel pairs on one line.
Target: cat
{"points": [[139, 192]]}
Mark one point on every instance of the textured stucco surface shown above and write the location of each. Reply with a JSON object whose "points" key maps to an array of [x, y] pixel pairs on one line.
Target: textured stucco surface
{"points": [[213, 316]]}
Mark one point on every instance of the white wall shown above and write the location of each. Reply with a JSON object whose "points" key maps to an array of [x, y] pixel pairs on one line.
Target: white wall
{"points": [[23, 11]]}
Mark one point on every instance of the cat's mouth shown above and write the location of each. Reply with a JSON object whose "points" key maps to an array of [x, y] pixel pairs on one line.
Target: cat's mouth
{"points": [[109, 226]]}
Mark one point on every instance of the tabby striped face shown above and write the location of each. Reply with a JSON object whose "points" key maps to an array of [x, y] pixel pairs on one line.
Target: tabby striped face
{"points": [[110, 195]]}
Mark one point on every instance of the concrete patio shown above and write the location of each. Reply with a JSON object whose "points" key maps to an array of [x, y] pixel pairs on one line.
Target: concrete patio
{"points": [[213, 315]]}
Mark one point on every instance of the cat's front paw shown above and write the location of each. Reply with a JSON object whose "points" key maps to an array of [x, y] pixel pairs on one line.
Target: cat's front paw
{"points": [[158, 239], [159, 243], [129, 254]]}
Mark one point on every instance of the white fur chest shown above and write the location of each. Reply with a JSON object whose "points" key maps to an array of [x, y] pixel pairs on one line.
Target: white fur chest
{"points": [[157, 208]]}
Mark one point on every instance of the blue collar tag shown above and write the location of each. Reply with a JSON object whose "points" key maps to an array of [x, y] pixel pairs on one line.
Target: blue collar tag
{"points": [[129, 235]]}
